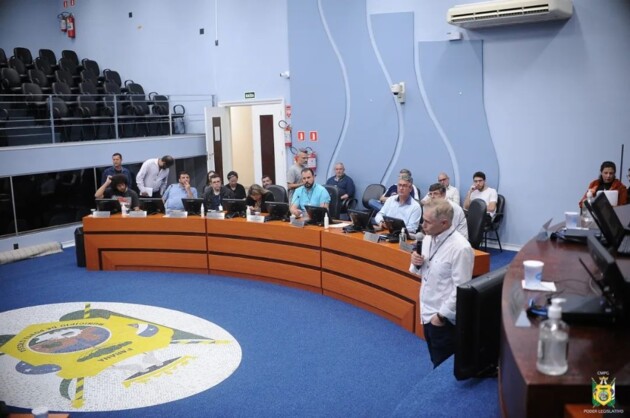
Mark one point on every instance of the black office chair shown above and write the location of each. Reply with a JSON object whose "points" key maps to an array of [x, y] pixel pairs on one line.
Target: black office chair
{"points": [[11, 82], [3, 59], [24, 54], [38, 77], [475, 218], [279, 193], [372, 191], [45, 67], [96, 124], [66, 124], [35, 101], [50, 56], [334, 208], [66, 78], [492, 225], [19, 66]]}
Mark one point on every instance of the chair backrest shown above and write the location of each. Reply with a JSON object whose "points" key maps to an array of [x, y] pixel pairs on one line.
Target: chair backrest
{"points": [[44, 66], [59, 108], [279, 193], [372, 191], [139, 104], [23, 54], [69, 66], [65, 77], [334, 208], [112, 76], [475, 219], [17, 65], [3, 59], [48, 55], [62, 90], [71, 56], [500, 212], [87, 87], [32, 92], [38, 77], [11, 80], [88, 105], [160, 105], [134, 88], [92, 66], [89, 75]]}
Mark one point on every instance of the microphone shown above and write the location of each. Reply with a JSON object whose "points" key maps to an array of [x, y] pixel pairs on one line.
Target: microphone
{"points": [[418, 249]]}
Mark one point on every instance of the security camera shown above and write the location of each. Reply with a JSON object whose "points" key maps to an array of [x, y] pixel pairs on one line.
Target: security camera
{"points": [[398, 90], [285, 74]]}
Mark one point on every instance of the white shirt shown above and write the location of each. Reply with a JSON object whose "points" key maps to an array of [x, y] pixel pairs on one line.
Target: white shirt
{"points": [[408, 211], [488, 195], [452, 195], [151, 175], [448, 262], [459, 220]]}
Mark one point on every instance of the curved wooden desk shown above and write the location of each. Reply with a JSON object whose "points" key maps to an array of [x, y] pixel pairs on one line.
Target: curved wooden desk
{"points": [[525, 392], [372, 276]]}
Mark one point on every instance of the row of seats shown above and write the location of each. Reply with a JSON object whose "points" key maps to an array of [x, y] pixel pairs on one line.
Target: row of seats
{"points": [[84, 105]]}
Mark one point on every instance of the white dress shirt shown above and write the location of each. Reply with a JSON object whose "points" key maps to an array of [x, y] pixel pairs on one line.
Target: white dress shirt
{"points": [[151, 175]]}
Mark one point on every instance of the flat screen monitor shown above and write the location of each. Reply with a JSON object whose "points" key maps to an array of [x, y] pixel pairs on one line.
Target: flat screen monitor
{"points": [[277, 211], [607, 220], [360, 220], [478, 326], [316, 215], [192, 205], [234, 206], [395, 226], [152, 205], [108, 205]]}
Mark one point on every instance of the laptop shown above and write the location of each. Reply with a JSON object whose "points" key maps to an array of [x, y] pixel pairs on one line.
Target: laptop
{"points": [[617, 236]]}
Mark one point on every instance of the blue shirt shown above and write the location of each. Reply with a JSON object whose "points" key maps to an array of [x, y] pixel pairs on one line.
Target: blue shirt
{"points": [[408, 211], [173, 196], [344, 184], [111, 171], [315, 196]]}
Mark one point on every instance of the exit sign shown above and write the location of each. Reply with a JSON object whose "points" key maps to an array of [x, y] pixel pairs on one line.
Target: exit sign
{"points": [[250, 95]]}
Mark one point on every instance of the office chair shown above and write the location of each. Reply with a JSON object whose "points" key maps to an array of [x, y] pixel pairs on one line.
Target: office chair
{"points": [[279, 193], [475, 219], [372, 191], [493, 225]]}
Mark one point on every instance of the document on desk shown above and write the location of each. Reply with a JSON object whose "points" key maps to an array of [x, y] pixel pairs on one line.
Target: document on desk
{"points": [[539, 286]]}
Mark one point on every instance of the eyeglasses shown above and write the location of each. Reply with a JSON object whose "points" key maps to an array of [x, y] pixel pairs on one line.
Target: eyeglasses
{"points": [[402, 186], [444, 179]]}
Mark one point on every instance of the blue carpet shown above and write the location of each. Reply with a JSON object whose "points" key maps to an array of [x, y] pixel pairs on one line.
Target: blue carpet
{"points": [[303, 354]]}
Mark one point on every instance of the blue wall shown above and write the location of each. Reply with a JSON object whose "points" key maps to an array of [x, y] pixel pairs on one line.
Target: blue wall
{"points": [[537, 106]]}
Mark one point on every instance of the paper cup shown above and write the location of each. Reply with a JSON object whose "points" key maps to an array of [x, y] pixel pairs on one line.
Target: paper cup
{"points": [[533, 272], [572, 219]]}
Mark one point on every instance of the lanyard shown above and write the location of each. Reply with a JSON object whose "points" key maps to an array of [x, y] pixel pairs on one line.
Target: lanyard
{"points": [[439, 246]]}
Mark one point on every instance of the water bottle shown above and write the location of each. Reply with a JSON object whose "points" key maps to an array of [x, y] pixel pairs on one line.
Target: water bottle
{"points": [[553, 342], [202, 210], [326, 221], [587, 218]]}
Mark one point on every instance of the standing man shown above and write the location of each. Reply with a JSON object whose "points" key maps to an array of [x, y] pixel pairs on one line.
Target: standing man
{"points": [[402, 206], [176, 192], [446, 262], [343, 182], [116, 168], [116, 187], [154, 174], [452, 194], [479, 190], [213, 198], [309, 194], [294, 175], [266, 181]]}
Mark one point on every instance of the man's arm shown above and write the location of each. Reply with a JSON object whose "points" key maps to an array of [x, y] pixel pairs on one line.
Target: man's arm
{"points": [[135, 202], [462, 268], [101, 190], [492, 201], [350, 189], [467, 199], [414, 220], [140, 179]]}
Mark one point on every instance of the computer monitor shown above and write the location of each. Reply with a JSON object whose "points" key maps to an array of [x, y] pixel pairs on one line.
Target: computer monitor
{"points": [[152, 205], [316, 215], [234, 207], [360, 220], [277, 211], [395, 226], [192, 205], [478, 326], [108, 205], [606, 218]]}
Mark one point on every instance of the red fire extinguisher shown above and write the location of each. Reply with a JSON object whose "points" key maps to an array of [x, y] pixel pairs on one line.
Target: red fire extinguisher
{"points": [[312, 159], [71, 28], [283, 124], [63, 24]]}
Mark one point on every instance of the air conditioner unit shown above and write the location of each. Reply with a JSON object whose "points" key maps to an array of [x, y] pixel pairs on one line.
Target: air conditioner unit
{"points": [[508, 12]]}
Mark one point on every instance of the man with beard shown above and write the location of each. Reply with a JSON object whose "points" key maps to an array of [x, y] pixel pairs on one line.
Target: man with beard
{"points": [[480, 190], [116, 187], [309, 194]]}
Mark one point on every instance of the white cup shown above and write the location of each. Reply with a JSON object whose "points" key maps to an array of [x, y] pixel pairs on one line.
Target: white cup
{"points": [[149, 191], [572, 219], [533, 272]]}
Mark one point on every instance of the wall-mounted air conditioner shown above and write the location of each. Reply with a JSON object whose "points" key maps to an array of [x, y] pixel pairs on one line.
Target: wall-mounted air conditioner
{"points": [[508, 12]]}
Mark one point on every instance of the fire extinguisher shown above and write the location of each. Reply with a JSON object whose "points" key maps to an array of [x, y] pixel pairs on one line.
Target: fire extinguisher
{"points": [[63, 24], [312, 159], [71, 28]]}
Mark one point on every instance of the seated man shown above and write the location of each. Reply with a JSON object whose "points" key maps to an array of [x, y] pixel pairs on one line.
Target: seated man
{"points": [[479, 190], [402, 206], [116, 187], [213, 198], [237, 189], [377, 204], [266, 181], [437, 192], [308, 194], [176, 192], [452, 194], [344, 184]]}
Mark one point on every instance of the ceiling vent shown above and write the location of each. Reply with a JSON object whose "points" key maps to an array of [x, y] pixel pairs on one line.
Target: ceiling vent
{"points": [[508, 12]]}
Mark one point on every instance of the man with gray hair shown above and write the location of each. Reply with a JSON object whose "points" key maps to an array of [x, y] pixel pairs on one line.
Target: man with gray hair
{"points": [[401, 206], [445, 261], [294, 175], [377, 204]]}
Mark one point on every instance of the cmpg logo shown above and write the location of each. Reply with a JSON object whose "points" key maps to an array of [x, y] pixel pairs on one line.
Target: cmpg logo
{"points": [[109, 356]]}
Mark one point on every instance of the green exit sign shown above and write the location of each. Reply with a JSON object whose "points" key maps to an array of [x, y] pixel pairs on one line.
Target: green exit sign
{"points": [[250, 95]]}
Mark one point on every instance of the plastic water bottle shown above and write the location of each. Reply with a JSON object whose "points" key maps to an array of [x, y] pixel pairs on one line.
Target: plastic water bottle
{"points": [[553, 342], [203, 211], [587, 218], [326, 221], [220, 208]]}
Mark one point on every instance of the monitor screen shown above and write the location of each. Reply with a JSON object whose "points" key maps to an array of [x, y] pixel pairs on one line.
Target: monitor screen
{"points": [[615, 288], [360, 220], [192, 205], [478, 325], [108, 205], [152, 205], [277, 211], [234, 205], [316, 215], [395, 225], [607, 220]]}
